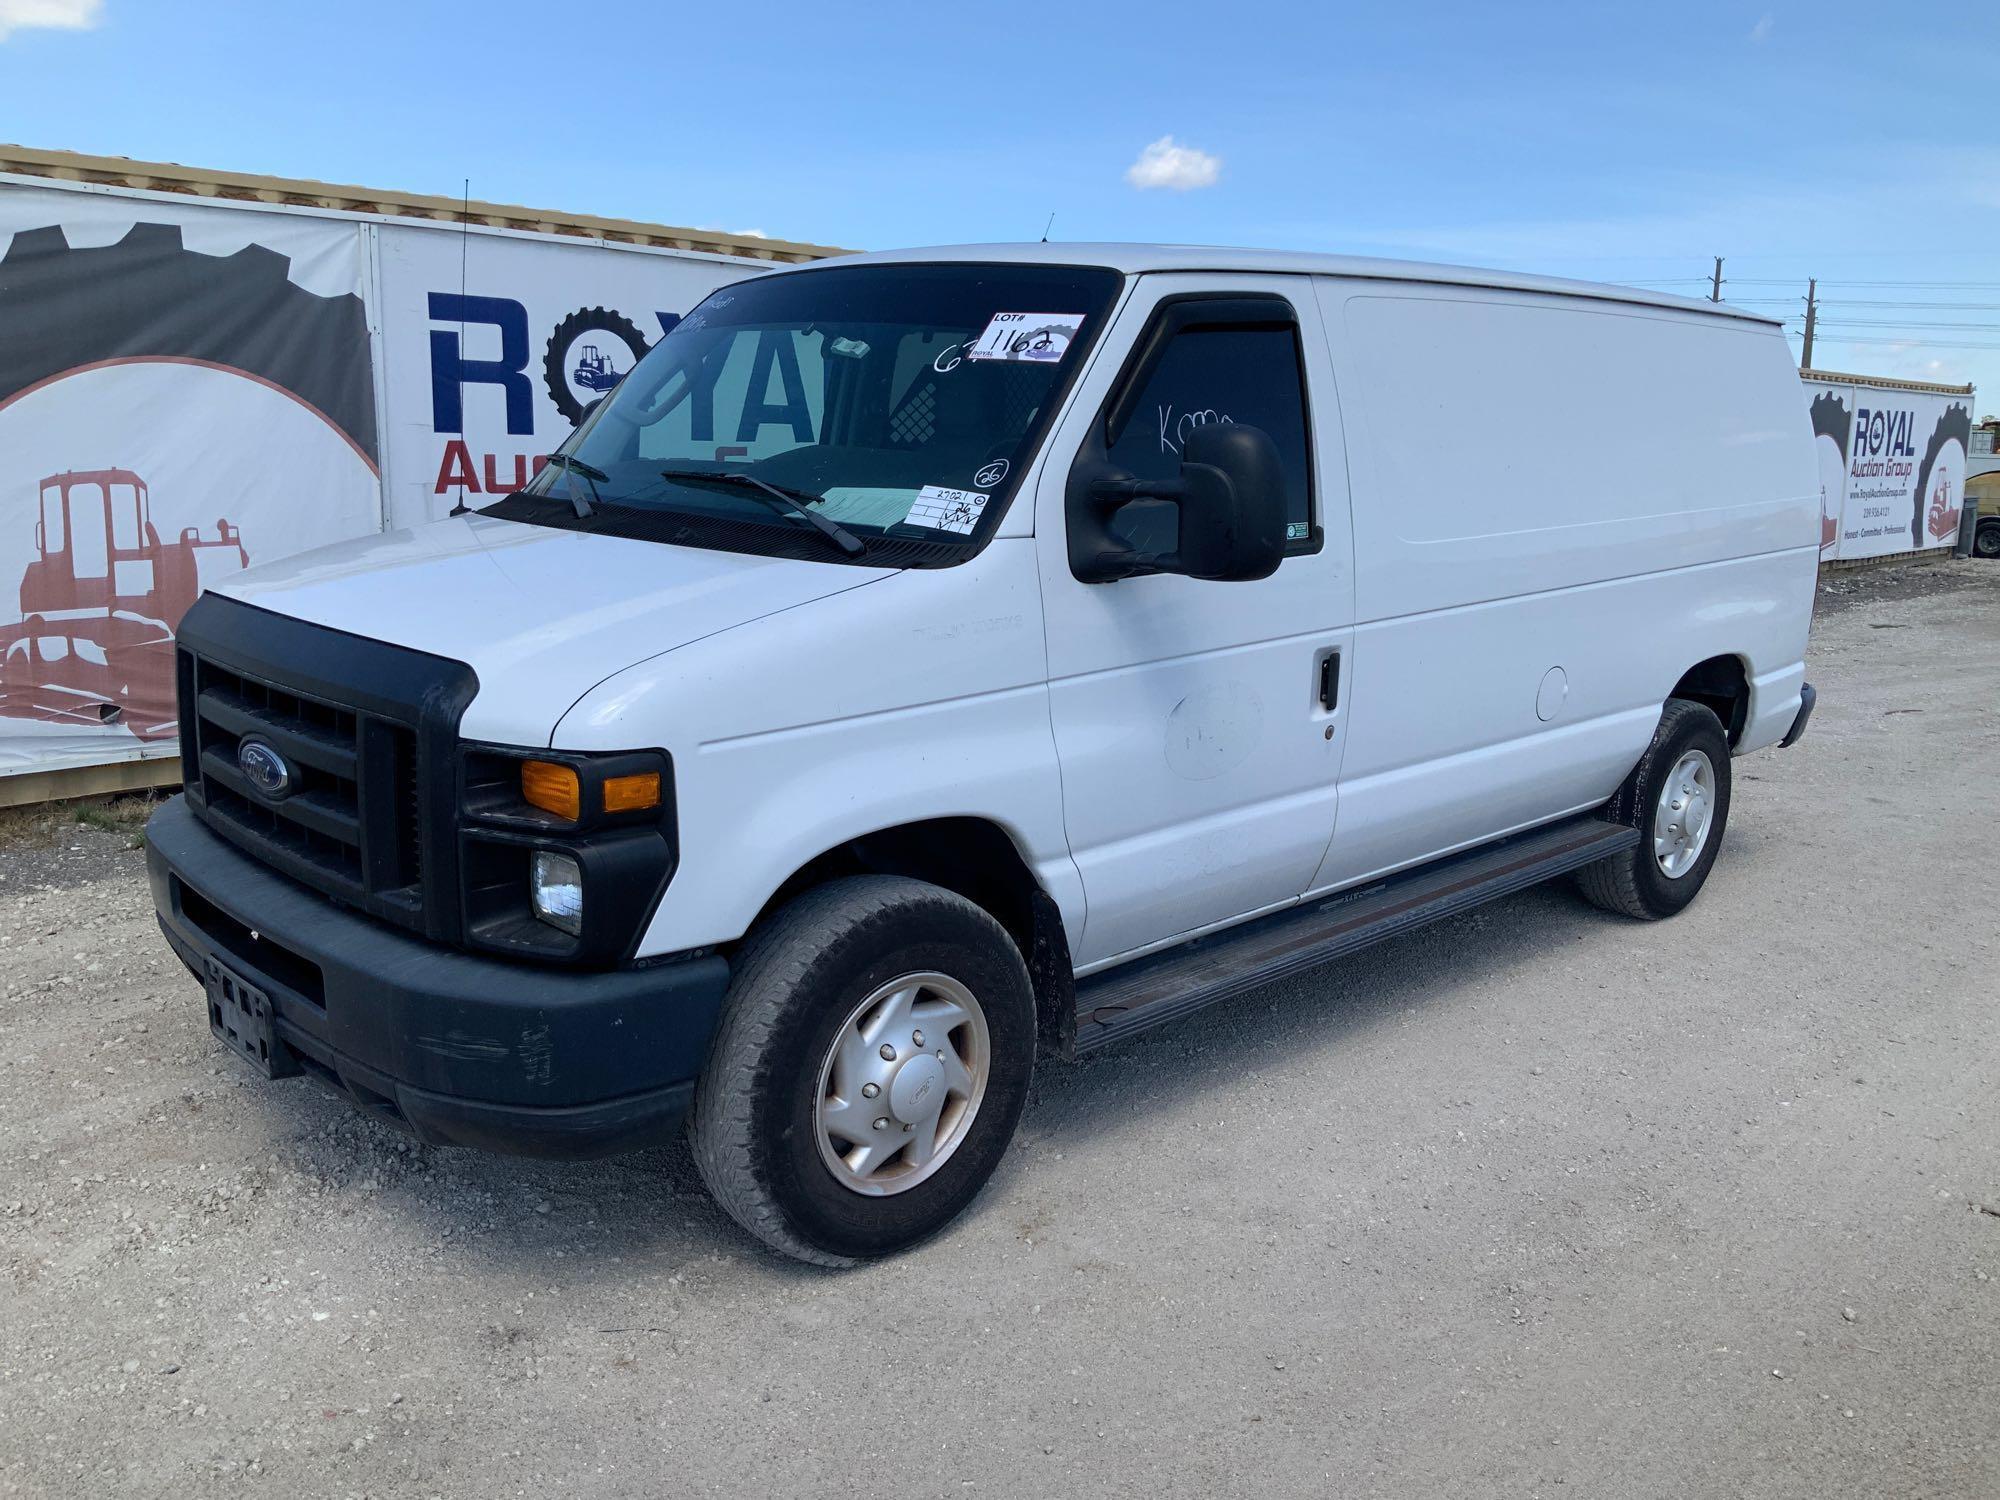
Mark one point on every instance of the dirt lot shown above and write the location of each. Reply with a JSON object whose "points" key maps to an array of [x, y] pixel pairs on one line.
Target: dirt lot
{"points": [[1539, 1202]]}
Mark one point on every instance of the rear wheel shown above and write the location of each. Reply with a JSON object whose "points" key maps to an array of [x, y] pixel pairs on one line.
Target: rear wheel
{"points": [[1678, 799], [1986, 540], [870, 1067]]}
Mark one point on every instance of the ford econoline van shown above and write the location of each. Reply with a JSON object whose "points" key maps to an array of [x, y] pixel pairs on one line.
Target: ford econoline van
{"points": [[927, 663]]}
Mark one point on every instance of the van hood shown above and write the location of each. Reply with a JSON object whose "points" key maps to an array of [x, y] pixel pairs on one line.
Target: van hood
{"points": [[541, 615]]}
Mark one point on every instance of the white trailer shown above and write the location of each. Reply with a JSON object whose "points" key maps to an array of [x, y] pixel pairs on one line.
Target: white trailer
{"points": [[1892, 463], [201, 370]]}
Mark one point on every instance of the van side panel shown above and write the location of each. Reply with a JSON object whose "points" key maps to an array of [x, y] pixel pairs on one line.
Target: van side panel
{"points": [[1559, 507], [923, 696]]}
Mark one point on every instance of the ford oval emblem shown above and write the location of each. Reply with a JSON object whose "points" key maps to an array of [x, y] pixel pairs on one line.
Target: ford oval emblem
{"points": [[264, 768]]}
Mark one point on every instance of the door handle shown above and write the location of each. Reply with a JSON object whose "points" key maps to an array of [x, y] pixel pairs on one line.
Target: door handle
{"points": [[1329, 681]]}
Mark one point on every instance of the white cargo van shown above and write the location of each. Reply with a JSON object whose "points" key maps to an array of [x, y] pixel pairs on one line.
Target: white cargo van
{"points": [[923, 662]]}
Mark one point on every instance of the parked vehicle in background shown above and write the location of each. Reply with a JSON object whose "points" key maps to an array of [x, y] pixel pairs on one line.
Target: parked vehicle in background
{"points": [[925, 661], [1982, 487]]}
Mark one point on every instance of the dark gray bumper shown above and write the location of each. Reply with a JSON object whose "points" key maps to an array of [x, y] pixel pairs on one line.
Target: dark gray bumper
{"points": [[1807, 698], [459, 1049]]}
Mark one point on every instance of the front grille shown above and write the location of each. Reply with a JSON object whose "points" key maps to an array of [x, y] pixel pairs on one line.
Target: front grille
{"points": [[322, 822], [368, 732]]}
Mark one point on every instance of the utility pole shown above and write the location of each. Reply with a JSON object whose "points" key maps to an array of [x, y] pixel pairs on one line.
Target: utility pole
{"points": [[1715, 290], [1812, 317]]}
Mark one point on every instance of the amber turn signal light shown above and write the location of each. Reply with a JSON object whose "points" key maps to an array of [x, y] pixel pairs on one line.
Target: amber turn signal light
{"points": [[632, 793], [553, 788]]}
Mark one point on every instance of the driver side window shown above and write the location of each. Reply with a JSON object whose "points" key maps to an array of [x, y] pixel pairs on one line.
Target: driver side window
{"points": [[1216, 373]]}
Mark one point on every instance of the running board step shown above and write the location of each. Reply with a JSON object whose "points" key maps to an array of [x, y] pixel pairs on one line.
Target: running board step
{"points": [[1133, 997]]}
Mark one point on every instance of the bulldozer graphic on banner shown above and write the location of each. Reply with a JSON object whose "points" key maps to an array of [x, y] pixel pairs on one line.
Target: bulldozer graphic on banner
{"points": [[99, 603], [594, 369]]}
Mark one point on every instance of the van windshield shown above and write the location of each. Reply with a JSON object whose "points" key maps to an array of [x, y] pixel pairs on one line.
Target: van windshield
{"points": [[900, 402]]}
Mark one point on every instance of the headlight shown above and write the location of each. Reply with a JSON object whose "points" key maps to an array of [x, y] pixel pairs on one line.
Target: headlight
{"points": [[563, 854], [555, 888]]}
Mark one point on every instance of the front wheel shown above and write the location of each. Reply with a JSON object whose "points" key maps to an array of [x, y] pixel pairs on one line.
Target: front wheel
{"points": [[871, 1064], [1678, 799], [1986, 540]]}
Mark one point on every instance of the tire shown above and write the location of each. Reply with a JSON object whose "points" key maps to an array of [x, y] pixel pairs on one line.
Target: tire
{"points": [[1986, 540], [754, 1129], [568, 333], [1636, 882]]}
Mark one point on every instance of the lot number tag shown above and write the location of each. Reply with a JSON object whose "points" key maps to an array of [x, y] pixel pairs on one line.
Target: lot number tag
{"points": [[1028, 338]]}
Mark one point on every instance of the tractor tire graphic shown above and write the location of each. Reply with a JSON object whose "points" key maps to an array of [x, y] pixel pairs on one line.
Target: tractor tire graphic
{"points": [[566, 365], [1954, 426], [1833, 421], [149, 297]]}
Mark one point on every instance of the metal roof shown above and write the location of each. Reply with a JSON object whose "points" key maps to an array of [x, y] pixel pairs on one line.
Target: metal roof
{"points": [[1885, 382], [1134, 259], [201, 182]]}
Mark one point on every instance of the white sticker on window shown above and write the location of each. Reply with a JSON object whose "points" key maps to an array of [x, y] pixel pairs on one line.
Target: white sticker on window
{"points": [[946, 509], [1029, 338]]}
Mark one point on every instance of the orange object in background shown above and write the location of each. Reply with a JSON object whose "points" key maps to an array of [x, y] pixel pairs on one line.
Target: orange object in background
{"points": [[95, 642]]}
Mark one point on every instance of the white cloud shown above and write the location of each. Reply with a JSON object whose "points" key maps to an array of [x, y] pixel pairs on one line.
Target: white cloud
{"points": [[54, 15], [1165, 165], [1766, 24]]}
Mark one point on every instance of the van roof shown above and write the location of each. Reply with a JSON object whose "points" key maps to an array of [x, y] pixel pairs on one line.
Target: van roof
{"points": [[1135, 259]]}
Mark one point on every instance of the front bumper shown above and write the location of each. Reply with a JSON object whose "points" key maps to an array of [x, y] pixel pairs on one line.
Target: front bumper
{"points": [[458, 1049]]}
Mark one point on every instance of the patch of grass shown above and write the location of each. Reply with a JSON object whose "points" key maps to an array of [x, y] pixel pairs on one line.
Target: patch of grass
{"points": [[45, 823], [116, 814], [28, 825]]}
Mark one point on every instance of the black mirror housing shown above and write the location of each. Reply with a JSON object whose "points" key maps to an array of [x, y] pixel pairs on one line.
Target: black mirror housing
{"points": [[1233, 509], [1230, 499]]}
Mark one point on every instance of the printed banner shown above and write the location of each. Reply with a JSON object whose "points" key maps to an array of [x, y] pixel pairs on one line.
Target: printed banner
{"points": [[1892, 467], [184, 390], [187, 388], [495, 345]]}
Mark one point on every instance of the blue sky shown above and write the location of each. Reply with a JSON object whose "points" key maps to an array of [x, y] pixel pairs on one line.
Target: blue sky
{"points": [[1856, 143]]}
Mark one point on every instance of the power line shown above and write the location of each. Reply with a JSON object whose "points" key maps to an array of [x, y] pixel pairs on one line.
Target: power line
{"points": [[1841, 322], [1914, 306], [1875, 304], [1849, 338], [1906, 286]]}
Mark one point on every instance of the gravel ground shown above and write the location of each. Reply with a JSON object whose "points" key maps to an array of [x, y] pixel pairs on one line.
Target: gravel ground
{"points": [[1538, 1202]]}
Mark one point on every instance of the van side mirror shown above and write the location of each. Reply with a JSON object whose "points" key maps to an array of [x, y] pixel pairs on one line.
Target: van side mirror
{"points": [[1230, 498]]}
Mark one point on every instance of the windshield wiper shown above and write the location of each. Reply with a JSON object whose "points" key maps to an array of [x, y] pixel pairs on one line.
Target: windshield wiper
{"points": [[572, 467], [791, 502]]}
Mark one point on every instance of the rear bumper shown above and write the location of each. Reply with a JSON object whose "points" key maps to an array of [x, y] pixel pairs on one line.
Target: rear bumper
{"points": [[1807, 698], [458, 1049]]}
